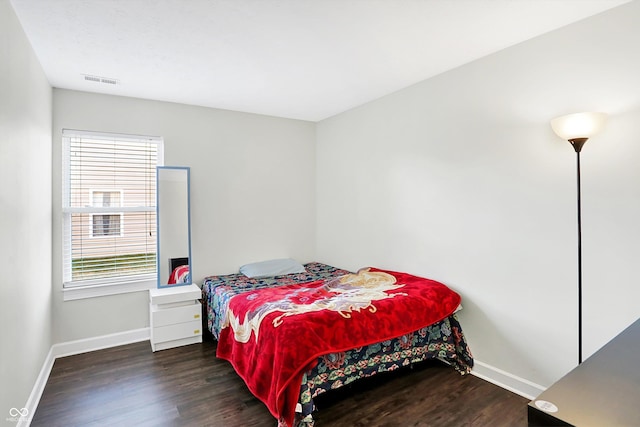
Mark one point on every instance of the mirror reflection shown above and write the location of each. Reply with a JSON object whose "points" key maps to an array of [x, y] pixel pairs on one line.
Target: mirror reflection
{"points": [[174, 228]]}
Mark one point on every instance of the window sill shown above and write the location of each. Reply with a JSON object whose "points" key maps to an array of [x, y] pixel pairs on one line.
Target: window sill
{"points": [[83, 292]]}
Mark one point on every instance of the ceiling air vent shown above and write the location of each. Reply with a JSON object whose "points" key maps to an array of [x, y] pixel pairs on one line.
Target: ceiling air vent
{"points": [[98, 79]]}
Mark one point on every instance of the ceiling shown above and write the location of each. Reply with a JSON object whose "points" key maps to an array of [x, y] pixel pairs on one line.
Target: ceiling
{"points": [[302, 59]]}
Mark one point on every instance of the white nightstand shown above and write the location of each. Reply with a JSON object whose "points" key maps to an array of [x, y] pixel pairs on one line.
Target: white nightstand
{"points": [[175, 316]]}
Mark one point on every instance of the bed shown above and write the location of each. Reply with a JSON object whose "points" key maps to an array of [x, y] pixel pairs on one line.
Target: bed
{"points": [[311, 369]]}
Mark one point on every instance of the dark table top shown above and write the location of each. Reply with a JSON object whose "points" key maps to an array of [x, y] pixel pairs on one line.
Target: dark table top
{"points": [[604, 390]]}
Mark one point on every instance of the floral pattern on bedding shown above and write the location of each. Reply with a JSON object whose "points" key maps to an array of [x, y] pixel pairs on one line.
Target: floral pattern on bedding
{"points": [[443, 340], [217, 290]]}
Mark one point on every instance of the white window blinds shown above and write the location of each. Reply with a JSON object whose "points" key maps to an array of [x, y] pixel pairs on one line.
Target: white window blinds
{"points": [[109, 207]]}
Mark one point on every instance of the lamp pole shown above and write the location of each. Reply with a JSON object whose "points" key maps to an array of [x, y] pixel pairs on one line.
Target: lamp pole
{"points": [[577, 144]]}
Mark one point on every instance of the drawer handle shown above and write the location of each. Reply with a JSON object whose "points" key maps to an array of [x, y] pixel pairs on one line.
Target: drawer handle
{"points": [[196, 331], [196, 316]]}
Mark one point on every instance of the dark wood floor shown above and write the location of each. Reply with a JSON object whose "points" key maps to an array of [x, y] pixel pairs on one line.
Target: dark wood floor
{"points": [[189, 386]]}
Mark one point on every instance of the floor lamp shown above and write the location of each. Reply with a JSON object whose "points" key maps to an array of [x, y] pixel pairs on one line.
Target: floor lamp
{"points": [[577, 128]]}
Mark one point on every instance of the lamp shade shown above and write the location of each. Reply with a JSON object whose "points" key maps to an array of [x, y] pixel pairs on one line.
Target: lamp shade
{"points": [[578, 125]]}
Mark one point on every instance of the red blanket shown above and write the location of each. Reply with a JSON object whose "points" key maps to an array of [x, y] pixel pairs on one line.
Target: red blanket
{"points": [[179, 275], [272, 336]]}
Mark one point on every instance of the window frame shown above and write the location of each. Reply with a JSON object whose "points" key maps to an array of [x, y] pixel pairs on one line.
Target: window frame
{"points": [[88, 288]]}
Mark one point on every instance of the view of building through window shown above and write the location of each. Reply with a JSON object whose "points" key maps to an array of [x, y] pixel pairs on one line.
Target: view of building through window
{"points": [[106, 224]]}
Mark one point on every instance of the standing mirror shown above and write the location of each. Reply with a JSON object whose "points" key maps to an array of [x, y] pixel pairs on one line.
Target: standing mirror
{"points": [[174, 226]]}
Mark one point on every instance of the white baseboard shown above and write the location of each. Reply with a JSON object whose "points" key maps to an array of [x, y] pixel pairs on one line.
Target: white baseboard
{"points": [[513, 383], [69, 349], [38, 388], [98, 343]]}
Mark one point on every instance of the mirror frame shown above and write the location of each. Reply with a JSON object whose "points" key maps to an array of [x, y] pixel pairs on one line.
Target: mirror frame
{"points": [[158, 231]]}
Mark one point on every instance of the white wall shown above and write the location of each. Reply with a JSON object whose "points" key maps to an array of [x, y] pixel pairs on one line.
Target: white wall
{"points": [[252, 193], [25, 214], [460, 178]]}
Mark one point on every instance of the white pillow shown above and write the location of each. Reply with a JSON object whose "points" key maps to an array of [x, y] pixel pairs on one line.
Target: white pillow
{"points": [[274, 267]]}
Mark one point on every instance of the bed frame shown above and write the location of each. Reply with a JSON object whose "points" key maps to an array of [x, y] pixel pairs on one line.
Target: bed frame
{"points": [[177, 262]]}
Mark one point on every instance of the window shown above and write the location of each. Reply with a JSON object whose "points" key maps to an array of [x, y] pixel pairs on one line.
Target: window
{"points": [[109, 208], [110, 224]]}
